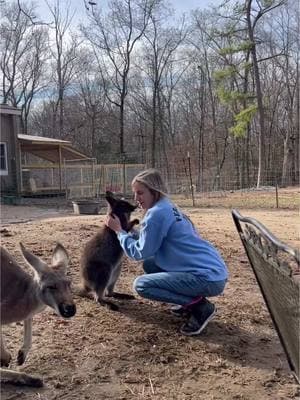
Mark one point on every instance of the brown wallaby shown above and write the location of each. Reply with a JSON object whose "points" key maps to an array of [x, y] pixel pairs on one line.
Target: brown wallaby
{"points": [[23, 295], [102, 256]]}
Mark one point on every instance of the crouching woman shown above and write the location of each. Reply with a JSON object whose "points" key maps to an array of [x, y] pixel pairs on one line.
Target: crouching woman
{"points": [[180, 267]]}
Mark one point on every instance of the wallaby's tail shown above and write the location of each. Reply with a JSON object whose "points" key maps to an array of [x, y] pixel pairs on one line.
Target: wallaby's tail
{"points": [[19, 378]]}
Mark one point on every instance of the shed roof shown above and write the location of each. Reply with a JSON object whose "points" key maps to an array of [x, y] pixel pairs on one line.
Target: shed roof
{"points": [[7, 109], [49, 148]]}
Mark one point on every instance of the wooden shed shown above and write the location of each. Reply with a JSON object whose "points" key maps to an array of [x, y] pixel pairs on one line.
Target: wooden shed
{"points": [[14, 146]]}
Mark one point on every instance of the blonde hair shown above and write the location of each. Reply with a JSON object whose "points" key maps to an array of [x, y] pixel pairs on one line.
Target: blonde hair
{"points": [[152, 179]]}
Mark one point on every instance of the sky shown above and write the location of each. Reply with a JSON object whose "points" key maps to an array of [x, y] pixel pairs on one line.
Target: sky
{"points": [[181, 6], [187, 5]]}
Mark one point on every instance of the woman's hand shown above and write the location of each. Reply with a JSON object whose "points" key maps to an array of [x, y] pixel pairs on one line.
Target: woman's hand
{"points": [[113, 222]]}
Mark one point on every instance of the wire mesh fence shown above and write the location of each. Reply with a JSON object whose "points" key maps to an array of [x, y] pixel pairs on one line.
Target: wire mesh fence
{"points": [[85, 179], [77, 179]]}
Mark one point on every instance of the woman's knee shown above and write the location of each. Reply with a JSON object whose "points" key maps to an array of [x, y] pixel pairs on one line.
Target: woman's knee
{"points": [[216, 288], [141, 284]]}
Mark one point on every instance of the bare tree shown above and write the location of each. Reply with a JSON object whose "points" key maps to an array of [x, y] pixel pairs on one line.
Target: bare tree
{"points": [[113, 39], [159, 55], [239, 35], [92, 97], [23, 57], [207, 49], [288, 40], [64, 55], [168, 98], [254, 10]]}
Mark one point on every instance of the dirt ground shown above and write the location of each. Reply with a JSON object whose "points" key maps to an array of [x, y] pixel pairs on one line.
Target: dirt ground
{"points": [[138, 353]]}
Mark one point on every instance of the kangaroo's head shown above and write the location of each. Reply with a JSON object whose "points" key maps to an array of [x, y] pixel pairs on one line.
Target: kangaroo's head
{"points": [[121, 208], [54, 286]]}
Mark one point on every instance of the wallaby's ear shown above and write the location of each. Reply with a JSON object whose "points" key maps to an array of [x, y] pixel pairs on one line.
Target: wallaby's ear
{"points": [[38, 265], [110, 199], [60, 258]]}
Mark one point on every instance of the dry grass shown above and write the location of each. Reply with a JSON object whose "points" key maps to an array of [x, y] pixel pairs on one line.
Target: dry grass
{"points": [[288, 198]]}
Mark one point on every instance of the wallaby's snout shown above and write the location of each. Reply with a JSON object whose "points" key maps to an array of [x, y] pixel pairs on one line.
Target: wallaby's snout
{"points": [[67, 310]]}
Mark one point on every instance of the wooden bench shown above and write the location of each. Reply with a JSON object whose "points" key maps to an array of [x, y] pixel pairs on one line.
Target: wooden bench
{"points": [[276, 267]]}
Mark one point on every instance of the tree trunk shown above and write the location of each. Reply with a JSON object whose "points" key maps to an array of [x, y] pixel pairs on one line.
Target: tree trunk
{"points": [[154, 126], [261, 171]]}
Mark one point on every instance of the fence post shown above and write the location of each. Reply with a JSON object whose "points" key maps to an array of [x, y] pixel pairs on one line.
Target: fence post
{"points": [[191, 180], [276, 191], [93, 178], [66, 182], [124, 173]]}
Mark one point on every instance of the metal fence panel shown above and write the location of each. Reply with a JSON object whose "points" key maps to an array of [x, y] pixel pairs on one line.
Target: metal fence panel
{"points": [[276, 267]]}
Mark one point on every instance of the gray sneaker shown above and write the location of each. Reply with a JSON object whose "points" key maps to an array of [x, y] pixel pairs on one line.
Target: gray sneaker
{"points": [[201, 315]]}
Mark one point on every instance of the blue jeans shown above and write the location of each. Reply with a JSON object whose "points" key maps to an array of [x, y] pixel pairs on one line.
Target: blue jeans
{"points": [[174, 287]]}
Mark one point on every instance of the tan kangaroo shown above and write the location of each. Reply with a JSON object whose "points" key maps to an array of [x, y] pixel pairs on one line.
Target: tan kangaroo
{"points": [[23, 295]]}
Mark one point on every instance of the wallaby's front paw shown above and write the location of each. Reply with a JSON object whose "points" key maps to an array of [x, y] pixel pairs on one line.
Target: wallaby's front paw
{"points": [[21, 357], [5, 359]]}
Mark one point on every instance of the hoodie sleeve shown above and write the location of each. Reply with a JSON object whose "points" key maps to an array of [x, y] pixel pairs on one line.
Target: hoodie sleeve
{"points": [[151, 235]]}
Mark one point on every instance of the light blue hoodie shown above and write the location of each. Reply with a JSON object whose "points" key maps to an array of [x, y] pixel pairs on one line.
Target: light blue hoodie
{"points": [[167, 235]]}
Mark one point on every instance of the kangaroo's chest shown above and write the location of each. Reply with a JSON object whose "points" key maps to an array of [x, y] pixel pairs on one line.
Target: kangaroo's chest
{"points": [[106, 248], [19, 310]]}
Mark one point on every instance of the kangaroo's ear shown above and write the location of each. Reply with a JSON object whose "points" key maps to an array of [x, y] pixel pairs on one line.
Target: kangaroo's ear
{"points": [[60, 258], [38, 265]]}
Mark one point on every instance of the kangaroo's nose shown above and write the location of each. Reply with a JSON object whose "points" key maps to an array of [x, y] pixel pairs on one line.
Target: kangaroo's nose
{"points": [[67, 310]]}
